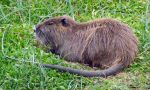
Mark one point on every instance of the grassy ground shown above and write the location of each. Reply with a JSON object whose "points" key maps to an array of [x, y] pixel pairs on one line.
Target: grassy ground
{"points": [[18, 50]]}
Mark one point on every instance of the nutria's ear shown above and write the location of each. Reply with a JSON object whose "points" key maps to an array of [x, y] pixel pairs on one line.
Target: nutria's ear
{"points": [[64, 22]]}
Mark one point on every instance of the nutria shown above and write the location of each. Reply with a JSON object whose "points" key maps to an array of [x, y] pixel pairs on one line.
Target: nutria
{"points": [[105, 43]]}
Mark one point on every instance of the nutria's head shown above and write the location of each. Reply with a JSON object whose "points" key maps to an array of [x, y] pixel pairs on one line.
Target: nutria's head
{"points": [[53, 31]]}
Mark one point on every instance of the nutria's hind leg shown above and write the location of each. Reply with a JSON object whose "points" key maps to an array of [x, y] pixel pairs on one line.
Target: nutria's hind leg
{"points": [[91, 63], [95, 64], [87, 62]]}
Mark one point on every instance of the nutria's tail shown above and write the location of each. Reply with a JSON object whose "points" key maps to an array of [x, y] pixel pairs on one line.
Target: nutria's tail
{"points": [[99, 73]]}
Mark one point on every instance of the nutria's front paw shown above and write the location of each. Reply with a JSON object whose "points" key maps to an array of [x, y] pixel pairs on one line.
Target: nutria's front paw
{"points": [[53, 51]]}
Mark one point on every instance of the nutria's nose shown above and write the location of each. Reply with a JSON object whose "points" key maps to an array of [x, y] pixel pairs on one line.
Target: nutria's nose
{"points": [[36, 28]]}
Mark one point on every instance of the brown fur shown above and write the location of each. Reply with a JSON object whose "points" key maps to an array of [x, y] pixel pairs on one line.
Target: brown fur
{"points": [[100, 43]]}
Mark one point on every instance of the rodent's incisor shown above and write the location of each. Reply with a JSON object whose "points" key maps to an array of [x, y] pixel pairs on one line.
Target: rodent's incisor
{"points": [[105, 43]]}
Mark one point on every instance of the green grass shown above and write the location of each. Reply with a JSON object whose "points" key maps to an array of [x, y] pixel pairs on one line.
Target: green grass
{"points": [[19, 51]]}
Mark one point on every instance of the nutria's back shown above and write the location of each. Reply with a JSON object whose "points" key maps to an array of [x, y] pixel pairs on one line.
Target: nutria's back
{"points": [[102, 43]]}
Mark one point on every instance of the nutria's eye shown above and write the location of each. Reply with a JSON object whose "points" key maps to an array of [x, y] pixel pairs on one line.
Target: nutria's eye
{"points": [[49, 23], [64, 22]]}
